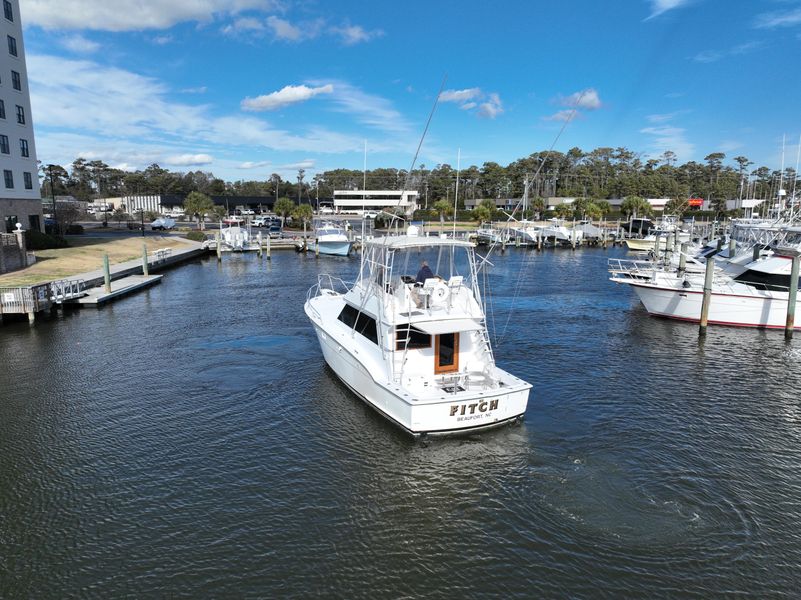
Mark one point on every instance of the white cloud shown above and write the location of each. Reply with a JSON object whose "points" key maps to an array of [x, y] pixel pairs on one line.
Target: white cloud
{"points": [[79, 44], [254, 165], [201, 89], [303, 164], [491, 108], [662, 6], [368, 109], [664, 136], [189, 160], [730, 145], [120, 15], [286, 31], [786, 18], [245, 24], [470, 98], [161, 40], [562, 115], [290, 94], [354, 34], [460, 96], [120, 116], [661, 118], [709, 56], [587, 99]]}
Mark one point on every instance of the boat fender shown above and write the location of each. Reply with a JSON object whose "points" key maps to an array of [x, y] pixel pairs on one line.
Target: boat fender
{"points": [[440, 293], [685, 284]]}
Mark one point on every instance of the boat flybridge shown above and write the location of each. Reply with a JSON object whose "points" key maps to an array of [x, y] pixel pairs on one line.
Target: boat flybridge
{"points": [[416, 348]]}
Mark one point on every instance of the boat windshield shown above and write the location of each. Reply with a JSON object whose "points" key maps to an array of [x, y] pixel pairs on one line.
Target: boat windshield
{"points": [[416, 264]]}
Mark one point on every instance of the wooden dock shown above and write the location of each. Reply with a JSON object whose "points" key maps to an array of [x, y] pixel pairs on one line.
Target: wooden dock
{"points": [[98, 296]]}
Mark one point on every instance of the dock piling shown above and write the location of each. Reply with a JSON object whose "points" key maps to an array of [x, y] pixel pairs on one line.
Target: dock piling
{"points": [[144, 260], [260, 246], [106, 274], [708, 273], [219, 247], [269, 255], [683, 259], [791, 298]]}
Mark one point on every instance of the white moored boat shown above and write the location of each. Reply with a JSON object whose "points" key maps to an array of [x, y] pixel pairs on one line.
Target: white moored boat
{"points": [[332, 240], [417, 352], [754, 294]]}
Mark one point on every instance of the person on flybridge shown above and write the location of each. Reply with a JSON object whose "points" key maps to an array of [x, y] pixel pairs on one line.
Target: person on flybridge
{"points": [[424, 273]]}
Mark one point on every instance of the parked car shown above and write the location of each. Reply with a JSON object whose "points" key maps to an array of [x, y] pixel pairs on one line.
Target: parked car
{"points": [[370, 214], [275, 230], [326, 210], [162, 223]]}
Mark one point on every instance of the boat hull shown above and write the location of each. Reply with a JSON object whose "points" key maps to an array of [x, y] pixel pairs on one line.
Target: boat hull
{"points": [[332, 248], [766, 309], [448, 416]]}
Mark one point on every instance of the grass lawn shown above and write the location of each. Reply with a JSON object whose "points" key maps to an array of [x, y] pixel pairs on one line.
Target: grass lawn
{"points": [[84, 254]]}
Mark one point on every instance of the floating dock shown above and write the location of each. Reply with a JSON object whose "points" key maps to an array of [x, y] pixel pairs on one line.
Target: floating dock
{"points": [[98, 296]]}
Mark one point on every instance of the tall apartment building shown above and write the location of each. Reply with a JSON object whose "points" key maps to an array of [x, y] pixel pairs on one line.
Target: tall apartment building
{"points": [[20, 200]]}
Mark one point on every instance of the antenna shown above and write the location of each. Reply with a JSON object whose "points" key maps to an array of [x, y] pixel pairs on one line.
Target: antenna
{"points": [[456, 194], [795, 175], [423, 137]]}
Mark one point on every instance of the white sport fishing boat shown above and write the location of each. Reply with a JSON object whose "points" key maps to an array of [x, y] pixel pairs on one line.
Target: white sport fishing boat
{"points": [[560, 234], [416, 351], [488, 235], [332, 240], [744, 292]]}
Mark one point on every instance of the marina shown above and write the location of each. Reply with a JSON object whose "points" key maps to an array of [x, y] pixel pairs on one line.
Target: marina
{"points": [[284, 313], [647, 459]]}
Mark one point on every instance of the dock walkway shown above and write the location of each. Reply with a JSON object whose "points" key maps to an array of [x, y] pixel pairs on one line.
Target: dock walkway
{"points": [[98, 296], [88, 289]]}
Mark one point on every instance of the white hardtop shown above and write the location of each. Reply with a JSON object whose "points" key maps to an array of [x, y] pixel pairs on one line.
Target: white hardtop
{"points": [[410, 241]]}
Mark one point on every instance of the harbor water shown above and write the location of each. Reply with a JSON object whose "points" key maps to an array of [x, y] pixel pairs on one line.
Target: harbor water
{"points": [[189, 442]]}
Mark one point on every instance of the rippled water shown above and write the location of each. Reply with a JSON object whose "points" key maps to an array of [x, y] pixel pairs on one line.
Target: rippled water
{"points": [[189, 442]]}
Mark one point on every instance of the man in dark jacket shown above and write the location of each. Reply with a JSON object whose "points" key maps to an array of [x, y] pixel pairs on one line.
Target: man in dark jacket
{"points": [[424, 273]]}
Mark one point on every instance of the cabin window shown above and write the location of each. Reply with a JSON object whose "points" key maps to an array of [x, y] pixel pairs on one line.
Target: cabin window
{"points": [[446, 353], [360, 322], [417, 339]]}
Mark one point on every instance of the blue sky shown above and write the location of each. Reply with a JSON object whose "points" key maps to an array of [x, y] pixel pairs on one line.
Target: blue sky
{"points": [[245, 88]]}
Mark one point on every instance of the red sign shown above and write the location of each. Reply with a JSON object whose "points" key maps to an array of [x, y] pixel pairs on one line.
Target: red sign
{"points": [[696, 202]]}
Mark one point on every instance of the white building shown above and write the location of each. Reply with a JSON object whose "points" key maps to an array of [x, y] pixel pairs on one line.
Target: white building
{"points": [[749, 206], [19, 182], [359, 201]]}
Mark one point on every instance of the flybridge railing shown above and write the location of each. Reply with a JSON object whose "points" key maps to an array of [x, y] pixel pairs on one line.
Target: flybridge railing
{"points": [[326, 282]]}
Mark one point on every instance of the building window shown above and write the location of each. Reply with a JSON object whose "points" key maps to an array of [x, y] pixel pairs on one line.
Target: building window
{"points": [[12, 46], [28, 180], [2, 110], [20, 115], [34, 222], [4, 144], [11, 223], [23, 148], [7, 10], [9, 177], [16, 82]]}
